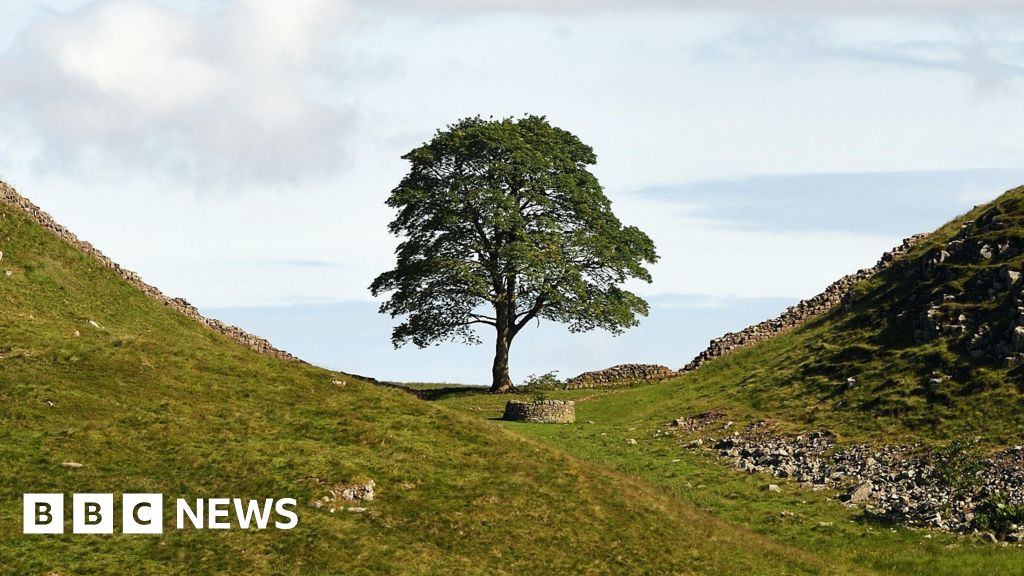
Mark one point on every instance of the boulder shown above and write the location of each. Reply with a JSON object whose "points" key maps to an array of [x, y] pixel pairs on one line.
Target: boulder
{"points": [[1018, 338], [859, 493]]}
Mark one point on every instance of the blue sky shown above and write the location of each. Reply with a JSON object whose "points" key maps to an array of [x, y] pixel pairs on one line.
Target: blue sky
{"points": [[238, 152]]}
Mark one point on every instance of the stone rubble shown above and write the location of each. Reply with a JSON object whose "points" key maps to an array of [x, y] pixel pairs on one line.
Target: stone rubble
{"points": [[898, 483], [339, 494]]}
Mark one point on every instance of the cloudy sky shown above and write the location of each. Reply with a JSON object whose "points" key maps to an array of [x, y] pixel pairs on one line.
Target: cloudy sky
{"points": [[238, 152]]}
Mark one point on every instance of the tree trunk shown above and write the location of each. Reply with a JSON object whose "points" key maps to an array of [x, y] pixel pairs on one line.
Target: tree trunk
{"points": [[500, 381]]}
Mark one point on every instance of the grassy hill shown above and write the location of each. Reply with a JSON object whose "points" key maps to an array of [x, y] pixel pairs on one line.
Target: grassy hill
{"points": [[929, 345], [146, 400]]}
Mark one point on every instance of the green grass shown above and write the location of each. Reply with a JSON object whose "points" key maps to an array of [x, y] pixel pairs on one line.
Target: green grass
{"points": [[153, 402], [798, 380], [607, 418]]}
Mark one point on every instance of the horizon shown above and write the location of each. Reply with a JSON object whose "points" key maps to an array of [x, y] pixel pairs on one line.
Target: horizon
{"points": [[767, 154]]}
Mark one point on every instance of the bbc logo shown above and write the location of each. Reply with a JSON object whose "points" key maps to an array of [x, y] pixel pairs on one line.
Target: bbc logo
{"points": [[93, 513]]}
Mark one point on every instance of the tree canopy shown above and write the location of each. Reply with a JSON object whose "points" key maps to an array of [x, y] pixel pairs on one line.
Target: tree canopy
{"points": [[503, 224]]}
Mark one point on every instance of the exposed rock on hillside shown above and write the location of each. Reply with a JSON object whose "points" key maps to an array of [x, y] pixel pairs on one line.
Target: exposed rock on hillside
{"points": [[969, 290], [901, 483], [11, 197]]}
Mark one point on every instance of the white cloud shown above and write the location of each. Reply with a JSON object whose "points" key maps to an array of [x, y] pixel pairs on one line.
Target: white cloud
{"points": [[205, 96], [133, 54], [814, 6]]}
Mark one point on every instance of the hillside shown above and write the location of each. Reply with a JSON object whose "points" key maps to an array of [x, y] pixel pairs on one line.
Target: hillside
{"points": [[928, 349], [925, 352], [96, 373], [928, 345]]}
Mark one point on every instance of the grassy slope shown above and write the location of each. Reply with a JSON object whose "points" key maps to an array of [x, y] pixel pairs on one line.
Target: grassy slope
{"points": [[796, 380], [153, 402]]}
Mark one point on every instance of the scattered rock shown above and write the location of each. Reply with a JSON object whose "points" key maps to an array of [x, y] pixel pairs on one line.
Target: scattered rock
{"points": [[355, 492], [94, 324], [895, 482], [71, 465], [631, 441], [338, 383], [343, 492], [771, 488]]}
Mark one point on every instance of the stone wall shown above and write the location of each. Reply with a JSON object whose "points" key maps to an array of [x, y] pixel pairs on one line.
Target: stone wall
{"points": [[621, 374], [9, 196], [796, 315], [541, 411]]}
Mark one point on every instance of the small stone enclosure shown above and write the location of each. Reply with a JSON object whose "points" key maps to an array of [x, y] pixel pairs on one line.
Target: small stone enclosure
{"points": [[541, 411]]}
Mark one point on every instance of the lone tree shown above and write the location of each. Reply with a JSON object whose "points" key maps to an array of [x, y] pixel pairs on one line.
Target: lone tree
{"points": [[503, 224]]}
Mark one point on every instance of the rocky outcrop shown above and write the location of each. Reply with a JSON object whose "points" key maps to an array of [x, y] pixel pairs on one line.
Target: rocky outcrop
{"points": [[541, 411], [621, 374], [9, 196], [967, 284], [796, 315]]}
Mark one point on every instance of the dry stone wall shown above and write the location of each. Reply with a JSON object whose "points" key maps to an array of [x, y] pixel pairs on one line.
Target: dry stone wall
{"points": [[796, 315], [621, 374], [9, 196], [541, 411]]}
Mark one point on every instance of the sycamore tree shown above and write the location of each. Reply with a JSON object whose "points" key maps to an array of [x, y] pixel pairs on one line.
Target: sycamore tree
{"points": [[502, 224]]}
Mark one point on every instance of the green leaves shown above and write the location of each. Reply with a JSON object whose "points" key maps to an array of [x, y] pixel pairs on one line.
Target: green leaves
{"points": [[503, 224]]}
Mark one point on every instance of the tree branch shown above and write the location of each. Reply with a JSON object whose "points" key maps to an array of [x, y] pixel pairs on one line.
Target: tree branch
{"points": [[530, 314], [471, 322]]}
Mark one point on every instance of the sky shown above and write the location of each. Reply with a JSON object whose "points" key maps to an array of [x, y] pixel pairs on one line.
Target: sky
{"points": [[238, 152]]}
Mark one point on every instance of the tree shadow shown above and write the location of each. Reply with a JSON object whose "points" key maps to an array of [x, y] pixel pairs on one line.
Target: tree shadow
{"points": [[438, 392]]}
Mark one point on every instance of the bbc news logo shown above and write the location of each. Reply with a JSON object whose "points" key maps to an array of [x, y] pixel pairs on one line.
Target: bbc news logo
{"points": [[144, 513]]}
